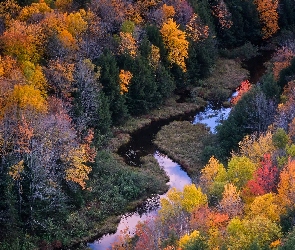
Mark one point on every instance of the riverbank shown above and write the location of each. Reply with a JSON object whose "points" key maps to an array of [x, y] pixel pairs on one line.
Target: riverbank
{"points": [[170, 110]]}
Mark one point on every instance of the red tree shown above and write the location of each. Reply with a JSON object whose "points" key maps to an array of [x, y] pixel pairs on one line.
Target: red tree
{"points": [[266, 178]]}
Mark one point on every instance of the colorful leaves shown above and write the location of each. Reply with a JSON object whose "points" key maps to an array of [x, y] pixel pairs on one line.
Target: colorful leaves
{"points": [[268, 13], [125, 77], [242, 89], [175, 42]]}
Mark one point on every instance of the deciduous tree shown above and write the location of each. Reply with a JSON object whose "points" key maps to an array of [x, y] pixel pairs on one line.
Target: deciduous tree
{"points": [[175, 42]]}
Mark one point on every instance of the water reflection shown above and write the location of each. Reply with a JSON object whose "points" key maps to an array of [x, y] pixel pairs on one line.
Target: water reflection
{"points": [[212, 117], [178, 179]]}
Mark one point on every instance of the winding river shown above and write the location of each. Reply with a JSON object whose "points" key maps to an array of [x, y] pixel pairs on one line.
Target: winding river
{"points": [[141, 145]]}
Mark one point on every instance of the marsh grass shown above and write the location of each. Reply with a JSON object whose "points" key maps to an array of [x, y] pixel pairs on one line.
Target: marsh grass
{"points": [[226, 76], [184, 143]]}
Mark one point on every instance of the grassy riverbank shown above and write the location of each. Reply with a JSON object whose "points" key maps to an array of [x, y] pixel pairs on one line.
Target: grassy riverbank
{"points": [[184, 143], [181, 141]]}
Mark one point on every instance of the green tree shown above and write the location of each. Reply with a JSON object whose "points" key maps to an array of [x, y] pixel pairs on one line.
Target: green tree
{"points": [[109, 79]]}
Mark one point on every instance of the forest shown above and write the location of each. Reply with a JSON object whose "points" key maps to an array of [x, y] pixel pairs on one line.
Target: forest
{"points": [[72, 73]]}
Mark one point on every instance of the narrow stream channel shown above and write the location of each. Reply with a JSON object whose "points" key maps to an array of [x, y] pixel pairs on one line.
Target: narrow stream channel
{"points": [[141, 145]]}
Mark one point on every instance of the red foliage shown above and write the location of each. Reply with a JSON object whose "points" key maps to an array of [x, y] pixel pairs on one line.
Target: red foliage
{"points": [[242, 89], [266, 178]]}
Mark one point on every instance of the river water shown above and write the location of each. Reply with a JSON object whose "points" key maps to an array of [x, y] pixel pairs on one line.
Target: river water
{"points": [[141, 145]]}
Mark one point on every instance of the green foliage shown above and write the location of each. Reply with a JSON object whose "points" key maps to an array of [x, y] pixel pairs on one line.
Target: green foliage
{"points": [[128, 26], [245, 52], [202, 57], [240, 170], [252, 113], [280, 138], [270, 87], [110, 81], [143, 93], [246, 25], [287, 18]]}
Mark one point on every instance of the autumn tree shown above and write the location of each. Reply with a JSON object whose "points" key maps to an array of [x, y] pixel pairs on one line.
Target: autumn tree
{"points": [[175, 42], [264, 205], [268, 13], [231, 202], [213, 178], [25, 42], [240, 170], [125, 77], [286, 192], [242, 89], [127, 44], [177, 206], [196, 30], [265, 178], [255, 146], [246, 233], [222, 13]]}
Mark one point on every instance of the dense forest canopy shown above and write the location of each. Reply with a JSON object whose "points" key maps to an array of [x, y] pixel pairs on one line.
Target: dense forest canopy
{"points": [[71, 70]]}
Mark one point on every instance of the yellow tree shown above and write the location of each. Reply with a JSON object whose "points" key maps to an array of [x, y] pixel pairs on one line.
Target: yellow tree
{"points": [[240, 170], [213, 177], [259, 230], [78, 170], [268, 14], [231, 202], [25, 42], [254, 146], [24, 97], [264, 205], [35, 76], [177, 206], [124, 79], [28, 13], [286, 187], [176, 43], [127, 44]]}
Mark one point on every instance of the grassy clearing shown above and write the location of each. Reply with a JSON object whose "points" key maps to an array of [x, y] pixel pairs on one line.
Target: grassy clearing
{"points": [[183, 142]]}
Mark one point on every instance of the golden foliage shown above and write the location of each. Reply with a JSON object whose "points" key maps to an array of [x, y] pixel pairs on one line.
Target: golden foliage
{"points": [[213, 177], [154, 57], [231, 202], [176, 201], [269, 17], [25, 42], [16, 170], [223, 15], [78, 170], [175, 41], [63, 5], [196, 30], [286, 187], [26, 97], [35, 8], [264, 205], [127, 44], [75, 23], [254, 146], [187, 238], [168, 11], [35, 76], [125, 76]]}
